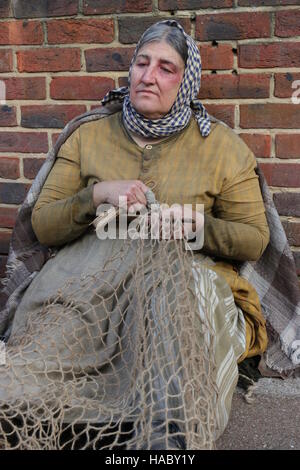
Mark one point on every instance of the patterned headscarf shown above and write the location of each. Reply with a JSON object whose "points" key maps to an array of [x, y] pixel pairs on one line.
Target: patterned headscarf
{"points": [[181, 111]]}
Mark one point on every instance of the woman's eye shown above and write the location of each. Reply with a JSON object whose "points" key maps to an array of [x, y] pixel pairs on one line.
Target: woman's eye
{"points": [[166, 70]]}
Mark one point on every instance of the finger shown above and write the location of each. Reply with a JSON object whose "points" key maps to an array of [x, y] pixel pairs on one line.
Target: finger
{"points": [[144, 188], [131, 198], [140, 195]]}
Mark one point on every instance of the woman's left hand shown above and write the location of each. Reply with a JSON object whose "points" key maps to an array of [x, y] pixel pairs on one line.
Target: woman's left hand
{"points": [[174, 222], [183, 221]]}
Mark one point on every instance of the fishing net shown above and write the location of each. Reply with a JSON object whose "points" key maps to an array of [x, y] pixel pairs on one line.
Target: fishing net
{"points": [[120, 357]]}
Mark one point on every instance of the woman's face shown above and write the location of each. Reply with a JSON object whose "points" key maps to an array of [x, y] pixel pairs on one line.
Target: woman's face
{"points": [[155, 79]]}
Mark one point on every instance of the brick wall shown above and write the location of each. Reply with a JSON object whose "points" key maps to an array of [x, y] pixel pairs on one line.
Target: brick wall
{"points": [[59, 58]]}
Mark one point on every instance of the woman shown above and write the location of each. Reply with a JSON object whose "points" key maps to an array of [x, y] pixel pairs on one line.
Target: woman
{"points": [[109, 354]]}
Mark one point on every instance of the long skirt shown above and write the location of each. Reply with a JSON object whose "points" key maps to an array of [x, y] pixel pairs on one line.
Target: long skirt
{"points": [[108, 333]]}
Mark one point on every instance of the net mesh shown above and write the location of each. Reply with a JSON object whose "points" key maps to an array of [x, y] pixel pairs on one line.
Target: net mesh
{"points": [[119, 358]]}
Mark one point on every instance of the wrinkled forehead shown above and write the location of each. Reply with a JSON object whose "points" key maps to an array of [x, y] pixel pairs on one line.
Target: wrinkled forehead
{"points": [[162, 52]]}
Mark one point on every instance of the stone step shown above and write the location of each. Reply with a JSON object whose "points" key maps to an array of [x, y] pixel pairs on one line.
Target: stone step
{"points": [[272, 421]]}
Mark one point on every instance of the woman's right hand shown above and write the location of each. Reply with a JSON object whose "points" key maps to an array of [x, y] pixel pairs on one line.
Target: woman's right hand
{"points": [[110, 191]]}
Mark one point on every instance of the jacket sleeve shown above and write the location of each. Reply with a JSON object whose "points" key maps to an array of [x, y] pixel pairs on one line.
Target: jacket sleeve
{"points": [[65, 207], [237, 229]]}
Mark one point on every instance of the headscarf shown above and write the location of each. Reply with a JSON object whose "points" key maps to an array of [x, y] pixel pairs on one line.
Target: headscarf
{"points": [[181, 111]]}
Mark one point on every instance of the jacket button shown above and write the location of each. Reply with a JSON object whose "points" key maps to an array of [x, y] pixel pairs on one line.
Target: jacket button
{"points": [[148, 147]]}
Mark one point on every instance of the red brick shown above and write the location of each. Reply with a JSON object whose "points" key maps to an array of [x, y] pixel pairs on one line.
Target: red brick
{"points": [[25, 142], [233, 26], [49, 60], [261, 3], [278, 54], [131, 27], [8, 216], [8, 116], [270, 115], [283, 84], [51, 116], [287, 23], [25, 88], [216, 58], [80, 88], [95, 106], [4, 240], [123, 81], [285, 175], [80, 31], [260, 144], [31, 166], [287, 203], [9, 168], [21, 32], [44, 8], [287, 146], [292, 230], [6, 62], [54, 137], [193, 4], [5, 9], [223, 112], [215, 86], [102, 7], [113, 58], [13, 193]]}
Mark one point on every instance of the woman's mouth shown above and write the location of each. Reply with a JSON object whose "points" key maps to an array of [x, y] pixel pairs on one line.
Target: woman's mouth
{"points": [[147, 91]]}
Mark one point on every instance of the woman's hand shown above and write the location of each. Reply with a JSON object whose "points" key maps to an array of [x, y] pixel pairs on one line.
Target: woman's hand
{"points": [[175, 222], [110, 191], [179, 221]]}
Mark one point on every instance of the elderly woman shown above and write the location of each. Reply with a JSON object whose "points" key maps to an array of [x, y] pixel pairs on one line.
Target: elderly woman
{"points": [[84, 329]]}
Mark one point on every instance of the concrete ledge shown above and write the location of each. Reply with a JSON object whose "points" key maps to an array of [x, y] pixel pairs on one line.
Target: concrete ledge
{"points": [[272, 421]]}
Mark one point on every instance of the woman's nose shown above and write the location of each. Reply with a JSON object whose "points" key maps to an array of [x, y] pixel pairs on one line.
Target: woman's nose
{"points": [[149, 75]]}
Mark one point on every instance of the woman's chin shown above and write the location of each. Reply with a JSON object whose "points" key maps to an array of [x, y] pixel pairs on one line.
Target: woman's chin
{"points": [[147, 110], [149, 113]]}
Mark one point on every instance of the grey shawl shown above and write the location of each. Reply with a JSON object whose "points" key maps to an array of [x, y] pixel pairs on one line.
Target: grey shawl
{"points": [[273, 276]]}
